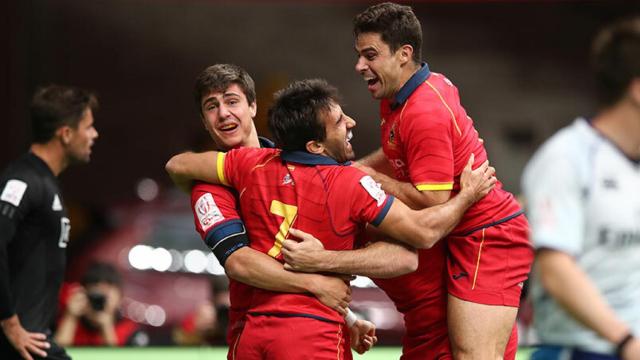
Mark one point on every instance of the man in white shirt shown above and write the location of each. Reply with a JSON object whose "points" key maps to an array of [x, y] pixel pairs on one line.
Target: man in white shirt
{"points": [[583, 194]]}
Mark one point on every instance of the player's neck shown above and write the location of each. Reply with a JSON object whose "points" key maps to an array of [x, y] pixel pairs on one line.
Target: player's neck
{"points": [[408, 71], [52, 154], [621, 124]]}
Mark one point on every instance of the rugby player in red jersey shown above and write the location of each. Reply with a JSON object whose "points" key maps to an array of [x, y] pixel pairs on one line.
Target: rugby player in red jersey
{"points": [[226, 101], [309, 185], [427, 138]]}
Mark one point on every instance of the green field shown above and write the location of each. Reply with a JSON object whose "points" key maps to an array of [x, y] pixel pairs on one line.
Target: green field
{"points": [[209, 353]]}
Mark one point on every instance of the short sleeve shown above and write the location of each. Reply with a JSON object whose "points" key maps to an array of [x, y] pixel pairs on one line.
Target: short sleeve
{"points": [[554, 197], [426, 134], [369, 203], [217, 220]]}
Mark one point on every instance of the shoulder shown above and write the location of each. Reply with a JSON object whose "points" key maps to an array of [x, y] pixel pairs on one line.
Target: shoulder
{"points": [[19, 180], [437, 95], [567, 151]]}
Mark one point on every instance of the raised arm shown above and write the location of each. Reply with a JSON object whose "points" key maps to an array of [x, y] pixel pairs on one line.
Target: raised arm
{"points": [[186, 167], [422, 229]]}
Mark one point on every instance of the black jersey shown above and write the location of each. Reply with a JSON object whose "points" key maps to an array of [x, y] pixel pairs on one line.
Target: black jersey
{"points": [[34, 231]]}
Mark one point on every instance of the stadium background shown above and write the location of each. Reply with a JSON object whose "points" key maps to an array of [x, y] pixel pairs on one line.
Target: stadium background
{"points": [[520, 66]]}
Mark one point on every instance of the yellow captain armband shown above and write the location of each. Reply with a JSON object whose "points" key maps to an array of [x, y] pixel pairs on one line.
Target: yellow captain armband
{"points": [[220, 168]]}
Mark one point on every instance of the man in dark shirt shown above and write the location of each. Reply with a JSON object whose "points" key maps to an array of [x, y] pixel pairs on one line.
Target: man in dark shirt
{"points": [[34, 227]]}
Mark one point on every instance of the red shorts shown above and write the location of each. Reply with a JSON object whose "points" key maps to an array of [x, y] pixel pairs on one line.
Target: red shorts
{"points": [[292, 338], [433, 345], [236, 324], [490, 265]]}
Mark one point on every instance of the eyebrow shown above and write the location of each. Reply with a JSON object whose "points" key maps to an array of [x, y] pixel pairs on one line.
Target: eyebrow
{"points": [[230, 94], [368, 48], [209, 100]]}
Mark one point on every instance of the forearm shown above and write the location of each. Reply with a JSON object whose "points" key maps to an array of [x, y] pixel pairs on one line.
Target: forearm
{"points": [[109, 334], [378, 162], [257, 269], [443, 218], [408, 194], [188, 166], [381, 259], [66, 330], [563, 279]]}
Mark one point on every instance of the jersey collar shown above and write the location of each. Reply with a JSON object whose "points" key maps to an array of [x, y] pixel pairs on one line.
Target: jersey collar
{"points": [[305, 158], [411, 85], [266, 143]]}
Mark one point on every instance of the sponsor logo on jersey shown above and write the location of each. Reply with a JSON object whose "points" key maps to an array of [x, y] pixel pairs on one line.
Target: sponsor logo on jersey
{"points": [[13, 192], [618, 238], [610, 184], [459, 276], [57, 205], [374, 189], [207, 211]]}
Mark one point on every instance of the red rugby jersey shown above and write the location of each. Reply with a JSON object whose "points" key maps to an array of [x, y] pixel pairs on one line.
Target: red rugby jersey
{"points": [[428, 140], [212, 207], [309, 192]]}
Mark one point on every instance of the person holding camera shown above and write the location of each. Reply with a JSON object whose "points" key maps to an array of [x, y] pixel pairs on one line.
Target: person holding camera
{"points": [[91, 314]]}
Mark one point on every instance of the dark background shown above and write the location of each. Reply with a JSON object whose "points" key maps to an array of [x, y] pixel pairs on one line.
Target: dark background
{"points": [[521, 68]]}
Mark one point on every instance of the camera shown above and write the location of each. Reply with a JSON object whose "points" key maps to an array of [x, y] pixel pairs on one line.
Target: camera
{"points": [[97, 300]]}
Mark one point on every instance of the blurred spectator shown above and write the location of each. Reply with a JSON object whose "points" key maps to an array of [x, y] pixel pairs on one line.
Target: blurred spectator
{"points": [[91, 314], [584, 215], [207, 325]]}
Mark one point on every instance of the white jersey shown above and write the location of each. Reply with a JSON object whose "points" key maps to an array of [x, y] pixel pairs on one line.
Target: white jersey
{"points": [[583, 198]]}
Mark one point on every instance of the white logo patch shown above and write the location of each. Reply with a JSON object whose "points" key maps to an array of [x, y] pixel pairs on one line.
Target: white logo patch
{"points": [[13, 192], [65, 229], [57, 205], [208, 212], [374, 189]]}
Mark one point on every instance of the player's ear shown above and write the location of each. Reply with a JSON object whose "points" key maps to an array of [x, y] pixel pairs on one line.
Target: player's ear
{"points": [[405, 53], [253, 109], [315, 147], [634, 90], [64, 133]]}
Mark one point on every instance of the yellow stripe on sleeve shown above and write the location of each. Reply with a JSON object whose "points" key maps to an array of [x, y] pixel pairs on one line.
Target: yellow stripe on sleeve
{"points": [[435, 187], [220, 168]]}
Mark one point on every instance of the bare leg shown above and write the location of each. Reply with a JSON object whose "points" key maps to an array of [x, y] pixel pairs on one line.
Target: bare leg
{"points": [[478, 331]]}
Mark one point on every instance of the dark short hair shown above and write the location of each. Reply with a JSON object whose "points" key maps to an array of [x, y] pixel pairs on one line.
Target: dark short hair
{"points": [[54, 106], [219, 77], [396, 24], [295, 116], [615, 58], [99, 272]]}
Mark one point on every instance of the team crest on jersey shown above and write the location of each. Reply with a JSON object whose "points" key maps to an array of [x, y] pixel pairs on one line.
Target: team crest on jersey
{"points": [[287, 180], [207, 211], [13, 192], [374, 189]]}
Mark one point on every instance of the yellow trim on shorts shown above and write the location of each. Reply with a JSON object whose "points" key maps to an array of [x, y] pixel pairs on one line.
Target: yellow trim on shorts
{"points": [[220, 168], [475, 275], [435, 186]]}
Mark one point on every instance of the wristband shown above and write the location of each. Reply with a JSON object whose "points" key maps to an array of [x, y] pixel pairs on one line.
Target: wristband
{"points": [[620, 346], [350, 318]]}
